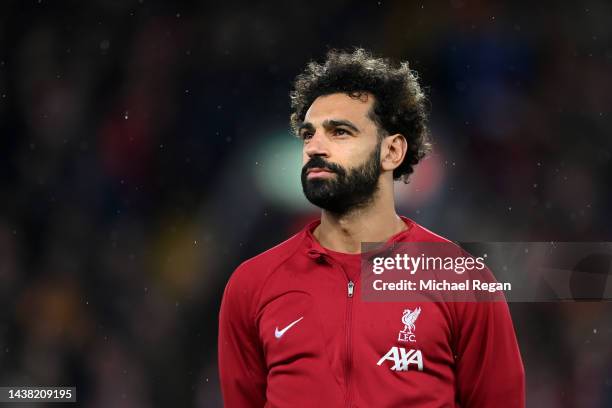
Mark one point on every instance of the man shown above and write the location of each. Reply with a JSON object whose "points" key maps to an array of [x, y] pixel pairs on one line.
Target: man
{"points": [[293, 329]]}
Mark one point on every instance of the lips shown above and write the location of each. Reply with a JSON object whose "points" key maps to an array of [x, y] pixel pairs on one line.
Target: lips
{"points": [[317, 172]]}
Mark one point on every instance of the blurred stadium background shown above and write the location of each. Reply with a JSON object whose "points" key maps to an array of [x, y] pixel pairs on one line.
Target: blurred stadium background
{"points": [[145, 152]]}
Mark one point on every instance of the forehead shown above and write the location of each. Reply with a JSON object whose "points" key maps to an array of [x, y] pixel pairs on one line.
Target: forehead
{"points": [[340, 106]]}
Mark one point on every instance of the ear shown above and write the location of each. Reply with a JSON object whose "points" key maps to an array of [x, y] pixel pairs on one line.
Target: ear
{"points": [[393, 150]]}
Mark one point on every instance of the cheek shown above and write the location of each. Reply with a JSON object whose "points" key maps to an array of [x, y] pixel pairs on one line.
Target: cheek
{"points": [[305, 157], [356, 156]]}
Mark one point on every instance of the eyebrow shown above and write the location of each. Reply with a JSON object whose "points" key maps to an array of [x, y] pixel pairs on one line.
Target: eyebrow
{"points": [[330, 124]]}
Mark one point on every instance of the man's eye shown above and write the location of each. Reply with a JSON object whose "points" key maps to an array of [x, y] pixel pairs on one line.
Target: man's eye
{"points": [[306, 135], [341, 132]]}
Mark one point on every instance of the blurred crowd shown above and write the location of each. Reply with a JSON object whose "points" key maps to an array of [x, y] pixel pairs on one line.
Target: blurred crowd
{"points": [[132, 137]]}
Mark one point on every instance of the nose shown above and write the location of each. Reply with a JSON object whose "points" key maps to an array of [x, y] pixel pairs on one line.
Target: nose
{"points": [[316, 145]]}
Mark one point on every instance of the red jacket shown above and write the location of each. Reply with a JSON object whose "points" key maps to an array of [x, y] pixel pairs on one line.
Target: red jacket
{"points": [[293, 332]]}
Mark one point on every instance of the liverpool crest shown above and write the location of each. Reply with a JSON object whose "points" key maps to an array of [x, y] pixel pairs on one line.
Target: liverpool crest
{"points": [[409, 318]]}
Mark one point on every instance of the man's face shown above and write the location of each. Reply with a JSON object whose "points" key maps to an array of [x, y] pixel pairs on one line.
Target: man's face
{"points": [[341, 152]]}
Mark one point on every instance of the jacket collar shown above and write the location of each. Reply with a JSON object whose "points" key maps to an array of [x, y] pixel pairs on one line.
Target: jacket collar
{"points": [[316, 251]]}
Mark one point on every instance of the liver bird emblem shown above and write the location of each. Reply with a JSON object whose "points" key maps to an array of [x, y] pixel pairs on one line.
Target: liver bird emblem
{"points": [[409, 318]]}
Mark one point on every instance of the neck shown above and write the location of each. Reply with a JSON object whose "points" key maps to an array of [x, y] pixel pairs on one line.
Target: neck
{"points": [[376, 222]]}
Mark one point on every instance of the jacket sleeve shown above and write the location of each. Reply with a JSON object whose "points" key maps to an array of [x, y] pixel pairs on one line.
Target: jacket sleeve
{"points": [[242, 369], [489, 369]]}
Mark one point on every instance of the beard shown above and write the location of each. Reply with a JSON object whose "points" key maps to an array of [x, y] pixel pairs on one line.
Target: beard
{"points": [[348, 190]]}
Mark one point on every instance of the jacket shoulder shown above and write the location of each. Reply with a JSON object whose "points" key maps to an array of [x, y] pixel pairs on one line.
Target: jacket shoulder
{"points": [[254, 271], [421, 234]]}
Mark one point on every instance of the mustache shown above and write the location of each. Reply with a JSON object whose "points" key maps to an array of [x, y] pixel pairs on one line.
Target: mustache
{"points": [[318, 161]]}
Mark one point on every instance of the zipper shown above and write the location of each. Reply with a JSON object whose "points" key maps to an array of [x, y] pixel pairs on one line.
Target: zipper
{"points": [[349, 343], [349, 324]]}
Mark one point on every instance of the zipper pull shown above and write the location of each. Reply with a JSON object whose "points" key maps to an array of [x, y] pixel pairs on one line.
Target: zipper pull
{"points": [[351, 285]]}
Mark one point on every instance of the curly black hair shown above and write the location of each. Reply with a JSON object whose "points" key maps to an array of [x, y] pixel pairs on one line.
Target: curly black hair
{"points": [[399, 102]]}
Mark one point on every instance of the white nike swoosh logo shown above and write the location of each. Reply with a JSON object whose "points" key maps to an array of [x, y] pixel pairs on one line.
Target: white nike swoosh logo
{"points": [[279, 333]]}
